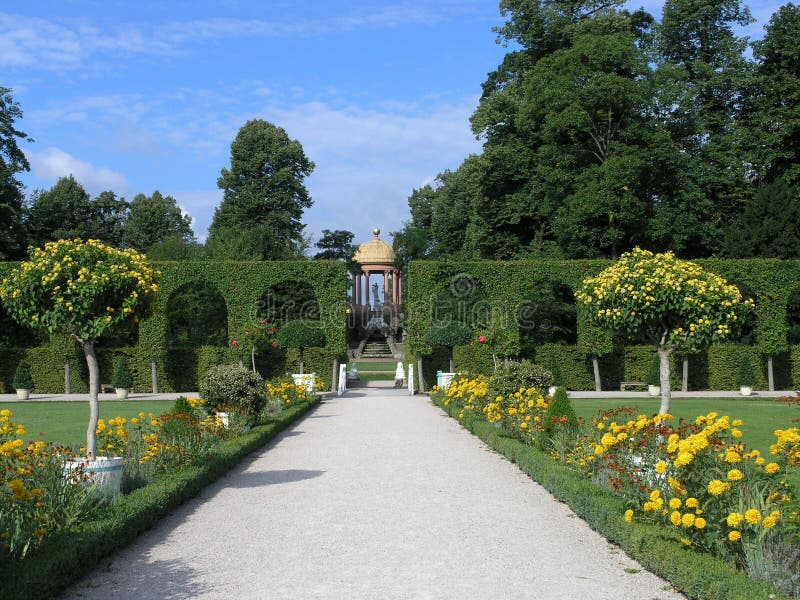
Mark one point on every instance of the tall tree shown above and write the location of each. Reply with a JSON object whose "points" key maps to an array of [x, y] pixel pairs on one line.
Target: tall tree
{"points": [[336, 245], [109, 216], [774, 105], [154, 219], [703, 72], [63, 212], [12, 161], [264, 196]]}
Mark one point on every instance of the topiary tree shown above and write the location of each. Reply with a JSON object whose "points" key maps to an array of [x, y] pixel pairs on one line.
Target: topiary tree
{"points": [[654, 372], [301, 334], [449, 335], [746, 375], [674, 303], [22, 377], [122, 374], [560, 414], [235, 387], [82, 290]]}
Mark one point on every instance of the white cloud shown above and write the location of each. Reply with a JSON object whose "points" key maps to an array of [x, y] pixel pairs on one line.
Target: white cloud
{"points": [[53, 163], [200, 205]]}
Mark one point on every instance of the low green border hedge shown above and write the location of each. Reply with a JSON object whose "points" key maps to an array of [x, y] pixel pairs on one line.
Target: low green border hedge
{"points": [[695, 574], [66, 556]]}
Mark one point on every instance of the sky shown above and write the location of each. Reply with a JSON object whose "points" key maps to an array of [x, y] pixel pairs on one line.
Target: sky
{"points": [[137, 96]]}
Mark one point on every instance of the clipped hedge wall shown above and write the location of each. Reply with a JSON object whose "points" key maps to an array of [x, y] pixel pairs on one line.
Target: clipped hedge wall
{"points": [[67, 556], [697, 575], [503, 284]]}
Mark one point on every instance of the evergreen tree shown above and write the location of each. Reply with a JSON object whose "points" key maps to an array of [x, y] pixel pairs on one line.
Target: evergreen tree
{"points": [[12, 161]]}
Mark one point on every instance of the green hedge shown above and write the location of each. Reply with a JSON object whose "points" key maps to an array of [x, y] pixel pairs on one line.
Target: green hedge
{"points": [[504, 284], [67, 556], [695, 574]]}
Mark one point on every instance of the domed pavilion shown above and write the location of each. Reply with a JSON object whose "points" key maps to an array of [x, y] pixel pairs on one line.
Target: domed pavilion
{"points": [[376, 257]]}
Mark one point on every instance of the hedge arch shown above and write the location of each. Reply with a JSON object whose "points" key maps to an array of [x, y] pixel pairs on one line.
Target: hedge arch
{"points": [[196, 315], [288, 300]]}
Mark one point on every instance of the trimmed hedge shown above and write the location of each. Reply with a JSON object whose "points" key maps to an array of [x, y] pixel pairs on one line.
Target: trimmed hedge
{"points": [[696, 574], [66, 556]]}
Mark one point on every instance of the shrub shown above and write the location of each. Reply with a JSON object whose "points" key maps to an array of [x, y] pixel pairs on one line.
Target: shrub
{"points": [[22, 377], [301, 334], [122, 374], [746, 376], [235, 387], [654, 372], [560, 414], [517, 375]]}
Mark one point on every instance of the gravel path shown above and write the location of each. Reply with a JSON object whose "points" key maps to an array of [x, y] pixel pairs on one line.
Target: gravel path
{"points": [[374, 495]]}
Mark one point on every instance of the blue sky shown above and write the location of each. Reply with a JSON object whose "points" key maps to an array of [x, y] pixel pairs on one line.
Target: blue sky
{"points": [[146, 95]]}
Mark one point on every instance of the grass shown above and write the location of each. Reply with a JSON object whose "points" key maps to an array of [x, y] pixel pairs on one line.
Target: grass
{"points": [[761, 416], [377, 366], [64, 423]]}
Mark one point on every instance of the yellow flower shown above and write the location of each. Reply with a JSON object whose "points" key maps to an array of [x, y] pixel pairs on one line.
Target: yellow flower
{"points": [[735, 519], [675, 503], [675, 518], [772, 520], [628, 515], [772, 468], [716, 487], [700, 523], [692, 503], [735, 475], [661, 467], [734, 536], [687, 520], [753, 516]]}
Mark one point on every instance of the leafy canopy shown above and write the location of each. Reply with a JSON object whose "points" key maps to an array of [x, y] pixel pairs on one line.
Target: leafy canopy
{"points": [[78, 288], [675, 303], [302, 334]]}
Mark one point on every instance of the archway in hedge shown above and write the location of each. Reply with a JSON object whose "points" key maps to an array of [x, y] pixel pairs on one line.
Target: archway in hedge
{"points": [[196, 315], [548, 315], [288, 300]]}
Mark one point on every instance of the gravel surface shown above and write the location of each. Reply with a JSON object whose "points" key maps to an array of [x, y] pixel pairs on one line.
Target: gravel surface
{"points": [[374, 495]]}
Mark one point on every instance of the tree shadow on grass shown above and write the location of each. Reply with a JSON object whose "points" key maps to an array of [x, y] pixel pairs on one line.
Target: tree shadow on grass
{"points": [[263, 478]]}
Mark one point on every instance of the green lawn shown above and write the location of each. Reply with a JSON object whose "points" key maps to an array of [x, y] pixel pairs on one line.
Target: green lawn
{"points": [[377, 366], [65, 422], [761, 416]]}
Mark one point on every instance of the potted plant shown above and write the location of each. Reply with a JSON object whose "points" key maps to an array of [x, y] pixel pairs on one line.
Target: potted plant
{"points": [[122, 381], [23, 382], [653, 379], [746, 377]]}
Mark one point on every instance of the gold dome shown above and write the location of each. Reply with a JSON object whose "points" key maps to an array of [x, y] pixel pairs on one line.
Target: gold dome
{"points": [[375, 252]]}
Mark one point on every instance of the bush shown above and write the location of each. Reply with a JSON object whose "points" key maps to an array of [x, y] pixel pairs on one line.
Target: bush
{"points": [[22, 377], [519, 374], [560, 414], [235, 387], [449, 335], [122, 374], [654, 372], [746, 376]]}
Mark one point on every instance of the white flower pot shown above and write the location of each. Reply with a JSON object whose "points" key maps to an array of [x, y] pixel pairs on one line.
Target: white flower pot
{"points": [[122, 393], [23, 394], [552, 390], [654, 390], [103, 474], [223, 416], [746, 390]]}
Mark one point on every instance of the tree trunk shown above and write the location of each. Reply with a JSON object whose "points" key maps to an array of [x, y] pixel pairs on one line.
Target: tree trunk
{"points": [[685, 378], [301, 361], [770, 374], [452, 364], [154, 375], [598, 386], [335, 377], [253, 358], [94, 405], [419, 375], [666, 392], [67, 382]]}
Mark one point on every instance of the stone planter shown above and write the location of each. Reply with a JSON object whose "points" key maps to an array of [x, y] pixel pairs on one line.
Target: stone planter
{"points": [[653, 390], [102, 474], [746, 390], [23, 394], [122, 393]]}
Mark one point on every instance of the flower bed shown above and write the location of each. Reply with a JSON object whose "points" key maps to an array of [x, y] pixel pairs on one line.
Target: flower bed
{"points": [[695, 484], [79, 532]]}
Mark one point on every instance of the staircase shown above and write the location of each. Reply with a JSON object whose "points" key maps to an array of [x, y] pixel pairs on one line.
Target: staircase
{"points": [[377, 349]]}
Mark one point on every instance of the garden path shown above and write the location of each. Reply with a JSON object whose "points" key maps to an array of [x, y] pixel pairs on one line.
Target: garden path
{"points": [[376, 494]]}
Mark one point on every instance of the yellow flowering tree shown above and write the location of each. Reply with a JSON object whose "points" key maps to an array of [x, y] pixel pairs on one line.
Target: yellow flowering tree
{"points": [[675, 303], [81, 289]]}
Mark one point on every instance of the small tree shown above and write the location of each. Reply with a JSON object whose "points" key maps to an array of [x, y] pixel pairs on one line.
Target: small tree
{"points": [[83, 290], [674, 303], [746, 376], [449, 335], [122, 375], [301, 334], [22, 376]]}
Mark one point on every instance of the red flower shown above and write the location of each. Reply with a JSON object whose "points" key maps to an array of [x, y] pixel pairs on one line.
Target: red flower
{"points": [[263, 321], [273, 330], [274, 344], [481, 338], [234, 343]]}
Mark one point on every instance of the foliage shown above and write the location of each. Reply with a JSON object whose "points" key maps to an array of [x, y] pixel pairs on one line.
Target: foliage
{"points": [[336, 245], [122, 374], [154, 220], [301, 334], [12, 161], [518, 375], [234, 387], [22, 376], [560, 414], [654, 372], [264, 196], [196, 315], [746, 376], [449, 334]]}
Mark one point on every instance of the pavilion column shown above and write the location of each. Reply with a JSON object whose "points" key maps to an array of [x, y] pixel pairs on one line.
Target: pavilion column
{"points": [[356, 288], [385, 286]]}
